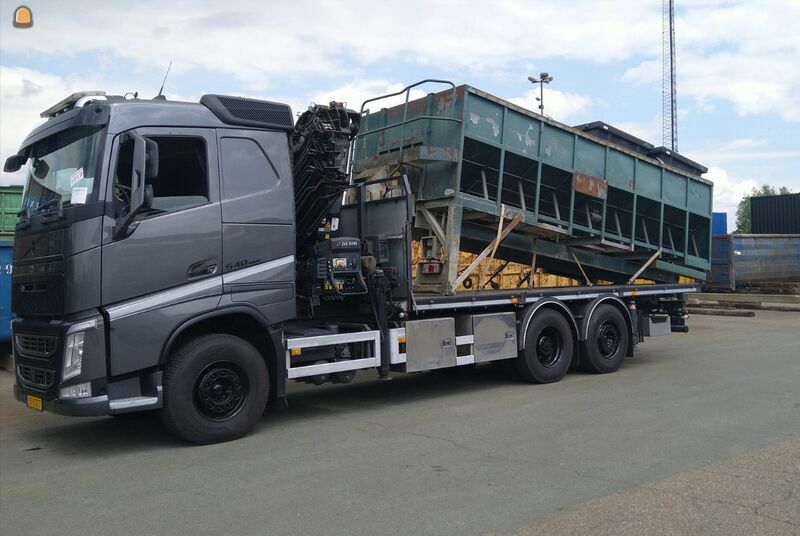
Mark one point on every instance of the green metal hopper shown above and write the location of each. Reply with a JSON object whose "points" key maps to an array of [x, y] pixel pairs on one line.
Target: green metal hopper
{"points": [[589, 202]]}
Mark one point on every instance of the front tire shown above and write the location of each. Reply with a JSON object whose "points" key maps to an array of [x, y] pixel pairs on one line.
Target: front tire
{"points": [[216, 388], [548, 348], [606, 342]]}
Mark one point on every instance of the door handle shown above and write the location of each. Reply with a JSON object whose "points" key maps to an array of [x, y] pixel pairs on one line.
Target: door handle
{"points": [[201, 269]]}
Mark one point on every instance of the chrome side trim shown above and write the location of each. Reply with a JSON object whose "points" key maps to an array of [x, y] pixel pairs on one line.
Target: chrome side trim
{"points": [[256, 269], [159, 299]]}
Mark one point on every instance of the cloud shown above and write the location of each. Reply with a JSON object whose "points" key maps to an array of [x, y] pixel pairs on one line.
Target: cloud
{"points": [[728, 191], [745, 53], [561, 106], [742, 149], [291, 39], [355, 92], [725, 158], [24, 93], [649, 131]]}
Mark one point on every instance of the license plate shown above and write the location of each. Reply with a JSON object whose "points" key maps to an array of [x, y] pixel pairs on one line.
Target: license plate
{"points": [[35, 402]]}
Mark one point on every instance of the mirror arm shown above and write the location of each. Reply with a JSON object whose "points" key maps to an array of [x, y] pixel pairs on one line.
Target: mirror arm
{"points": [[122, 227], [137, 184]]}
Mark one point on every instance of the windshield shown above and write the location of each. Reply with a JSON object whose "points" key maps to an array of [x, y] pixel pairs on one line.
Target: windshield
{"points": [[62, 169]]}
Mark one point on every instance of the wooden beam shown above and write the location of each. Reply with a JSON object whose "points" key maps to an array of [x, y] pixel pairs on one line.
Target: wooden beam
{"points": [[580, 267], [489, 249], [434, 225], [650, 261]]}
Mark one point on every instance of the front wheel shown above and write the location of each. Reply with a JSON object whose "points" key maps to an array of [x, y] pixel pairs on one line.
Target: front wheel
{"points": [[215, 389]]}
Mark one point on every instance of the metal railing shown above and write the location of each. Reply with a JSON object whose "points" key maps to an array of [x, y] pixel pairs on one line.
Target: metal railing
{"points": [[407, 91]]}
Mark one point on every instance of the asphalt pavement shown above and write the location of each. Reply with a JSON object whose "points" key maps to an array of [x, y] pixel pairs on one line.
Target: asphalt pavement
{"points": [[698, 433]]}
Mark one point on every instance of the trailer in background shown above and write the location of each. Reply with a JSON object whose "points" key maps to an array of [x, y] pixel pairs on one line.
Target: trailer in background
{"points": [[10, 202], [719, 223], [740, 260], [775, 214]]}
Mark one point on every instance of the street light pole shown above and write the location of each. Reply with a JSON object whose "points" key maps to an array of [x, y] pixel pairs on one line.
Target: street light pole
{"points": [[544, 78]]}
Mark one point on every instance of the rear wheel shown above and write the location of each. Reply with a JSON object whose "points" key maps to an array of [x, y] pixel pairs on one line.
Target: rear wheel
{"points": [[606, 342], [215, 389], [548, 348]]}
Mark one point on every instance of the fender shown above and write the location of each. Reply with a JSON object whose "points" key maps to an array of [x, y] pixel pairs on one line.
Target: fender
{"points": [[589, 310], [224, 311], [531, 310], [277, 376]]}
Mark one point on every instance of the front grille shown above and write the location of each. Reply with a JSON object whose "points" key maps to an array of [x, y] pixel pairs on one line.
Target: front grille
{"points": [[36, 345], [41, 378]]}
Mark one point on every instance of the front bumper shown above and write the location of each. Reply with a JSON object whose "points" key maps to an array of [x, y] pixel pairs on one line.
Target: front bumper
{"points": [[38, 359], [94, 406], [79, 407]]}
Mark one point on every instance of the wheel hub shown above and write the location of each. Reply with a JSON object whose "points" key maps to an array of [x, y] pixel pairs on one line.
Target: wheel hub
{"points": [[548, 347], [608, 338], [220, 391]]}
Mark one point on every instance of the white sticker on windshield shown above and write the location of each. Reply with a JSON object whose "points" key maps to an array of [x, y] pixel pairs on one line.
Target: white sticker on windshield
{"points": [[75, 177], [79, 195]]}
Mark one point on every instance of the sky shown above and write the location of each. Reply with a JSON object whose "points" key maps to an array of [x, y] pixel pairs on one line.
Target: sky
{"points": [[737, 64]]}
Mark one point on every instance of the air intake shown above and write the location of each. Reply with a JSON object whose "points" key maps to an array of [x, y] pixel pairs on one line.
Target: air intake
{"points": [[249, 112]]}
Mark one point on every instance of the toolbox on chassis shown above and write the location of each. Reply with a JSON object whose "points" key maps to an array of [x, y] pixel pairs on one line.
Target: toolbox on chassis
{"points": [[193, 257]]}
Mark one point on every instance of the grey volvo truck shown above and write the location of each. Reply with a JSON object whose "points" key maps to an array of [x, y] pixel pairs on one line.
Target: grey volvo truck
{"points": [[192, 257]]}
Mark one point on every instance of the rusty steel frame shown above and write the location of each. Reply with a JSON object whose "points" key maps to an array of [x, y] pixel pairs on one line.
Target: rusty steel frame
{"points": [[567, 229]]}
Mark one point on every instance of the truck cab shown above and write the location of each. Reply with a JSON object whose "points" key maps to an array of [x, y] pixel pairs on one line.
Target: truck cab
{"points": [[140, 220]]}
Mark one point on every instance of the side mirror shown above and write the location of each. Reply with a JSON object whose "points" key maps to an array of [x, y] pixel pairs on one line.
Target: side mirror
{"points": [[13, 163], [138, 189], [151, 159]]}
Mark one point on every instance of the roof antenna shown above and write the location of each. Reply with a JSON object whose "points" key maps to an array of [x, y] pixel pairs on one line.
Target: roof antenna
{"points": [[160, 91]]}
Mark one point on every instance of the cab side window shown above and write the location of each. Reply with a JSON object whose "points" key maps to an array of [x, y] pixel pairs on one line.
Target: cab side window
{"points": [[182, 180], [246, 169]]}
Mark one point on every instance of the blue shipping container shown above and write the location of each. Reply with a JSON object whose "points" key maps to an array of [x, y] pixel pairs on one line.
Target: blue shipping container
{"points": [[5, 290], [740, 260], [719, 223]]}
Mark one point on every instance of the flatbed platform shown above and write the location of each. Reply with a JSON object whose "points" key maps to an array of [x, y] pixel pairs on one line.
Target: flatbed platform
{"points": [[491, 298]]}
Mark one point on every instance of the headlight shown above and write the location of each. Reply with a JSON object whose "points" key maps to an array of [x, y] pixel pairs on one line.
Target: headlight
{"points": [[73, 349], [73, 355]]}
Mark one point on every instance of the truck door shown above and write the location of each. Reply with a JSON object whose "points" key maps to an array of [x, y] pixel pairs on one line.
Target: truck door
{"points": [[258, 268], [168, 266]]}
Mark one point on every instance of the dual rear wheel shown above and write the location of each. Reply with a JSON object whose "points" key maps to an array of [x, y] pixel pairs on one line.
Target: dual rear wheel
{"points": [[606, 342], [550, 345]]}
